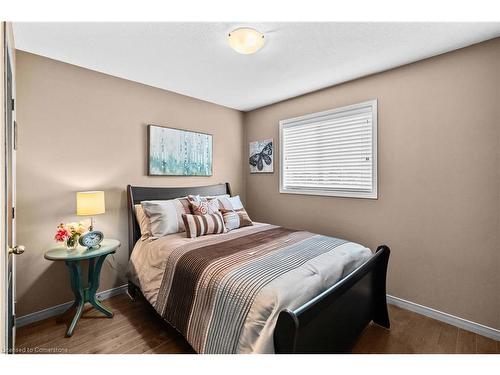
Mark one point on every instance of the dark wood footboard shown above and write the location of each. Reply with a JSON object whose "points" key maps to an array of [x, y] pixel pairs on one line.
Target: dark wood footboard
{"points": [[331, 322]]}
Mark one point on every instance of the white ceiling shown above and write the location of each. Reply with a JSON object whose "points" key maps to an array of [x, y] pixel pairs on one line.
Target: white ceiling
{"points": [[195, 59]]}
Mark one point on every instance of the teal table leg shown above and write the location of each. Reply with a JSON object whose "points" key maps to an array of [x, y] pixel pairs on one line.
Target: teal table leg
{"points": [[87, 294], [94, 276], [79, 292]]}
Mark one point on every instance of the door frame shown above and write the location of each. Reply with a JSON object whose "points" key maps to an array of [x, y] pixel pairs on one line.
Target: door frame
{"points": [[7, 51], [3, 249]]}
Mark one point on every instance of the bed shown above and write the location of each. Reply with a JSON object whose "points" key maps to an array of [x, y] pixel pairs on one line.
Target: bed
{"points": [[257, 289]]}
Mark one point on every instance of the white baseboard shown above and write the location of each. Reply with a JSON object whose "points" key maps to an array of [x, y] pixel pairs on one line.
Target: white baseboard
{"points": [[59, 309], [467, 325]]}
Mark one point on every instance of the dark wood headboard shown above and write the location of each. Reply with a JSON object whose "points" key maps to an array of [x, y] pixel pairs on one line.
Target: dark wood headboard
{"points": [[137, 194]]}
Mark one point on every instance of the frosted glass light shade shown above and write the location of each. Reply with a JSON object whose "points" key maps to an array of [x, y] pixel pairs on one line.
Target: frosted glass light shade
{"points": [[90, 203], [246, 40]]}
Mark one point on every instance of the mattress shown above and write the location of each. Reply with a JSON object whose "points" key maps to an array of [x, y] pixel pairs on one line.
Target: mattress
{"points": [[224, 292]]}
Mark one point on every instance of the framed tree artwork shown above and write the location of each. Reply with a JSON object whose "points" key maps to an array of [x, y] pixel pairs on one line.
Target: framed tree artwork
{"points": [[177, 152]]}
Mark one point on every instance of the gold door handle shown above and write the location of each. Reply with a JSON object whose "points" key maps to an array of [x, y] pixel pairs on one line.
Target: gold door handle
{"points": [[17, 250]]}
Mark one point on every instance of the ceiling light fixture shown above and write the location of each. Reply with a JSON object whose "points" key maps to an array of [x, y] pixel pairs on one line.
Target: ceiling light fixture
{"points": [[246, 40]]}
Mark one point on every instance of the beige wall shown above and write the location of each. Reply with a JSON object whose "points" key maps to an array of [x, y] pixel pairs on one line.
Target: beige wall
{"points": [[82, 130], [439, 182]]}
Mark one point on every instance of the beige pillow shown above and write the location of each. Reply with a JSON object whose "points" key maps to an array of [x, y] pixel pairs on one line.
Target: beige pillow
{"points": [[143, 220]]}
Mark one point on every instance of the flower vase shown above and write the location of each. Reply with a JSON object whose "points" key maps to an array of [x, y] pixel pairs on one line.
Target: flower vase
{"points": [[71, 243]]}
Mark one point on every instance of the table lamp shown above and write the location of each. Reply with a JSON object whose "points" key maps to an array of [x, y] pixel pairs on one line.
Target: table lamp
{"points": [[89, 203]]}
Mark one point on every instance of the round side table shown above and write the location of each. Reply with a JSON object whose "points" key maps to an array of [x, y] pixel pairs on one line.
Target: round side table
{"points": [[72, 258]]}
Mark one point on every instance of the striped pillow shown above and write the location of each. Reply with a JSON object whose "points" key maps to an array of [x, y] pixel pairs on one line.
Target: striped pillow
{"points": [[186, 205], [234, 219], [200, 225]]}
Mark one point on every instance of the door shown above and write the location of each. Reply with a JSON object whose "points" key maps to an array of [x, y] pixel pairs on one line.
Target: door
{"points": [[10, 185]]}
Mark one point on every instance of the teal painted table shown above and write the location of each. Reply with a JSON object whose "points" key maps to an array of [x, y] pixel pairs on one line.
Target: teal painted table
{"points": [[83, 294]]}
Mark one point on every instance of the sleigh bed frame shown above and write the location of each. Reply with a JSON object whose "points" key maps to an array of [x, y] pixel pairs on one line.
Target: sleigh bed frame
{"points": [[329, 323]]}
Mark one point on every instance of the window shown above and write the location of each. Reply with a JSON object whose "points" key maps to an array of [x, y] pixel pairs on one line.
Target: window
{"points": [[331, 153]]}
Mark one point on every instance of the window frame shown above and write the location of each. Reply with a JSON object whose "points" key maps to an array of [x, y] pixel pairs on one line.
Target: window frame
{"points": [[373, 194]]}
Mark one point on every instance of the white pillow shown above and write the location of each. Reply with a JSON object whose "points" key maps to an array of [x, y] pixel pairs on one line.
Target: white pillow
{"points": [[199, 198], [219, 196], [231, 203], [165, 217]]}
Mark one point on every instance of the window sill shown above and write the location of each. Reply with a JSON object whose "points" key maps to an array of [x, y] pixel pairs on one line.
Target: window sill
{"points": [[341, 194]]}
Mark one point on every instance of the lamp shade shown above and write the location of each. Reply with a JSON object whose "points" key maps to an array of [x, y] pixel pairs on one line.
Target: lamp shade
{"points": [[90, 203]]}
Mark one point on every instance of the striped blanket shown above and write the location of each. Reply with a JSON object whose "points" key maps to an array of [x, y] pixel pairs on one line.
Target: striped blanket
{"points": [[223, 293]]}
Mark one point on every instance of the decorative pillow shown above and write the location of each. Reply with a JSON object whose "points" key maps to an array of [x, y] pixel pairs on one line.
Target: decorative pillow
{"points": [[196, 198], [210, 206], [165, 217], [143, 220], [234, 219], [200, 225], [218, 196], [200, 198], [231, 203]]}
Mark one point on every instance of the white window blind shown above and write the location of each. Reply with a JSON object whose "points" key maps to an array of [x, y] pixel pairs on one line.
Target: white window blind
{"points": [[331, 153]]}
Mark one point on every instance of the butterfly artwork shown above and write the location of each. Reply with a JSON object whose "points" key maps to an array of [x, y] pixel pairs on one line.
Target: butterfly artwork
{"points": [[261, 156]]}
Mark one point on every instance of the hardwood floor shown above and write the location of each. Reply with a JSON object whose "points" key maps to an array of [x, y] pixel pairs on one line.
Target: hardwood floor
{"points": [[136, 328]]}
